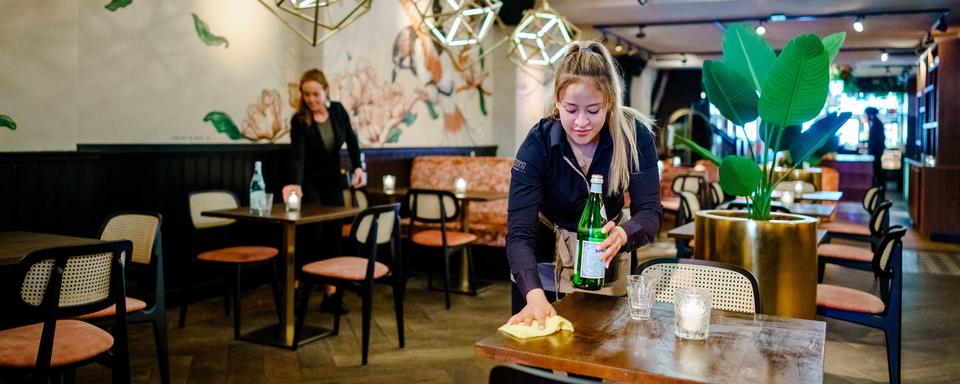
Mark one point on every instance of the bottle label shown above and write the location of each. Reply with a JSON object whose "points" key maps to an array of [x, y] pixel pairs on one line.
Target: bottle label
{"points": [[591, 267]]}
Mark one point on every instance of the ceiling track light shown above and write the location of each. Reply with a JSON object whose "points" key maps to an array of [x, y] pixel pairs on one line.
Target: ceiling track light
{"points": [[858, 24], [640, 33], [761, 30], [884, 56]]}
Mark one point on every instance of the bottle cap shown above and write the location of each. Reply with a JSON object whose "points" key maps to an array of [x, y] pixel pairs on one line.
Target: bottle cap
{"points": [[596, 179]]}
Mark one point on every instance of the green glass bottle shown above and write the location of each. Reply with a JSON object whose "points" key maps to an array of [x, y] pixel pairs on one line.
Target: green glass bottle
{"points": [[588, 270]]}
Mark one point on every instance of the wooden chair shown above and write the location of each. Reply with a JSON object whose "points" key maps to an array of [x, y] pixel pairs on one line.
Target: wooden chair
{"points": [[873, 197], [372, 228], [716, 194], [511, 374], [60, 283], [870, 233], [234, 257], [439, 207], [733, 288], [862, 308], [143, 229], [353, 197]]}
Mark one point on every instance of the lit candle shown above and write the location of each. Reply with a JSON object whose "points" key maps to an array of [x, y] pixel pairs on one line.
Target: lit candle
{"points": [[692, 313], [293, 202], [389, 183], [460, 186], [798, 188], [676, 161], [699, 168], [786, 197]]}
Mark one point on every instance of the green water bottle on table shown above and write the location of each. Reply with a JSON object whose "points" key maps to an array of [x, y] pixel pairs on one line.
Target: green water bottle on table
{"points": [[588, 269]]}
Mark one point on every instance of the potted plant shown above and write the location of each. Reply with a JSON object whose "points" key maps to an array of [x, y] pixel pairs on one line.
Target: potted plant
{"points": [[783, 91]]}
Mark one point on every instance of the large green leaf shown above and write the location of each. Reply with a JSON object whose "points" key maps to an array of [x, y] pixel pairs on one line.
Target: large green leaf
{"points": [[730, 92], [748, 54], [814, 138], [703, 152], [7, 121], [203, 32], [787, 137], [832, 44], [224, 124], [796, 87], [739, 176], [117, 4]]}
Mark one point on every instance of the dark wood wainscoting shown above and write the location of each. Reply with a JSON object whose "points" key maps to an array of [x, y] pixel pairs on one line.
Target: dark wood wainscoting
{"points": [[72, 193]]}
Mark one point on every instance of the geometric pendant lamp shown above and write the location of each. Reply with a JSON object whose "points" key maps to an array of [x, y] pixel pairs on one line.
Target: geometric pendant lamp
{"points": [[317, 20], [540, 37]]}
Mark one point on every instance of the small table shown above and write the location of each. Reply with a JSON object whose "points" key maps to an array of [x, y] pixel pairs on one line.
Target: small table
{"points": [[806, 209], [465, 199], [819, 196], [282, 334], [14, 246], [686, 232], [742, 348]]}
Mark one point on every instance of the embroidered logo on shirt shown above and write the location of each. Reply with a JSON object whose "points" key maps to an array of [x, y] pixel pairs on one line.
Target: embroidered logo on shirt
{"points": [[519, 166]]}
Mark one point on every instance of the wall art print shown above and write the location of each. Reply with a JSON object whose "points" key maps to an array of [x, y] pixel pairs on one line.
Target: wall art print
{"points": [[208, 38], [264, 121]]}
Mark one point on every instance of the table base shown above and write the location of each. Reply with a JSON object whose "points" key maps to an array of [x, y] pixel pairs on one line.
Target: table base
{"points": [[271, 335]]}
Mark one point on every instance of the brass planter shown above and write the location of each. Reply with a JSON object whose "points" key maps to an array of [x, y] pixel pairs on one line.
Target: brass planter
{"points": [[781, 253]]}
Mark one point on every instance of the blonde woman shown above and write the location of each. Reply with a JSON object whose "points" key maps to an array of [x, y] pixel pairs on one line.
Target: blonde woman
{"points": [[589, 132]]}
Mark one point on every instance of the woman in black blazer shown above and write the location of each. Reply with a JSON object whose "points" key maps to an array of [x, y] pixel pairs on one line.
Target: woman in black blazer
{"points": [[318, 130]]}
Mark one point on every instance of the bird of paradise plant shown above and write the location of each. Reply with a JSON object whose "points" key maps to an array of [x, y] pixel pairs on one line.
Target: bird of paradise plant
{"points": [[783, 91]]}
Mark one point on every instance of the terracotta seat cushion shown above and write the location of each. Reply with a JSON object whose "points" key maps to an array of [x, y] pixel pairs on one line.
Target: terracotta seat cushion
{"points": [[132, 304], [74, 341], [346, 268], [239, 255], [847, 299], [845, 252], [846, 228], [434, 238], [345, 230]]}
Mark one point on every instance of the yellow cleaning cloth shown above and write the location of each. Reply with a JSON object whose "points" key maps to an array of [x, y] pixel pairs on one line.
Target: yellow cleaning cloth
{"points": [[553, 324]]}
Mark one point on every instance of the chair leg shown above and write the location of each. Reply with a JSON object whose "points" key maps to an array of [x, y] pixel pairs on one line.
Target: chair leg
{"points": [[471, 270], [160, 338], [236, 305], [185, 299], [226, 293], [398, 307], [275, 277], [306, 287], [338, 303], [446, 277], [70, 375], [893, 354], [821, 266], [367, 314]]}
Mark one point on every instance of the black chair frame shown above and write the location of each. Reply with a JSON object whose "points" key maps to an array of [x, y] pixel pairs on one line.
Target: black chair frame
{"points": [[447, 249]]}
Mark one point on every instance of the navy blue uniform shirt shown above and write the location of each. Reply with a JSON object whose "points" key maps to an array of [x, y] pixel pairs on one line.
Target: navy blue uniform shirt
{"points": [[545, 178]]}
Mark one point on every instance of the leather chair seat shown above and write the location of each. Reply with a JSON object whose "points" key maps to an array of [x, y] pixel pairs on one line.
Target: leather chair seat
{"points": [[434, 238], [846, 228], [73, 342], [845, 252], [239, 255], [671, 204], [133, 305], [345, 268], [847, 299]]}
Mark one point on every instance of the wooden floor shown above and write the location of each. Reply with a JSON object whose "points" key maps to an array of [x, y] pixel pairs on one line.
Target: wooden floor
{"points": [[440, 343]]}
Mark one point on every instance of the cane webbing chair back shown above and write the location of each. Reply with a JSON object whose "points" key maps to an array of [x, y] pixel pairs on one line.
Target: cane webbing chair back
{"points": [[717, 194], [386, 222], [141, 229], [878, 220], [687, 183], [689, 205], [86, 279], [789, 185], [211, 201], [432, 206], [733, 288], [872, 198]]}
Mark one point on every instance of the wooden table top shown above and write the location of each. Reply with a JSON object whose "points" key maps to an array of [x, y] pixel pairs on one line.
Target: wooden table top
{"points": [[14, 246], [686, 232], [468, 196], [815, 196], [742, 348], [806, 209], [308, 213]]}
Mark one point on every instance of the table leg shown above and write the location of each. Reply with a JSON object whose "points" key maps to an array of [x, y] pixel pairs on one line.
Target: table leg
{"points": [[464, 258], [287, 318]]}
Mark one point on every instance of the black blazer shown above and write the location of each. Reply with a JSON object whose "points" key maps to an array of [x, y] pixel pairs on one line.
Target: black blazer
{"points": [[309, 159]]}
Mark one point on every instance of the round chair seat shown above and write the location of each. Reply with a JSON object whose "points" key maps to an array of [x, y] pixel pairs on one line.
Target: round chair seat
{"points": [[847, 299], [345, 268], [434, 238], [846, 228], [239, 255], [845, 252], [132, 304], [73, 342]]}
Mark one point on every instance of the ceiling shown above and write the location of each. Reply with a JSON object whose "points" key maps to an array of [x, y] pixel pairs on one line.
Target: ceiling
{"points": [[674, 41]]}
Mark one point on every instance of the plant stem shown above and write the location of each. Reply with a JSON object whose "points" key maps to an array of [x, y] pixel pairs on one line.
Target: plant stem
{"points": [[753, 155]]}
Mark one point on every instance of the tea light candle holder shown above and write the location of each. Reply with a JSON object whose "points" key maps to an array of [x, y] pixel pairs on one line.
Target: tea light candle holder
{"points": [[389, 183], [676, 161], [699, 168], [460, 186], [798, 188], [293, 202], [786, 197], [692, 313]]}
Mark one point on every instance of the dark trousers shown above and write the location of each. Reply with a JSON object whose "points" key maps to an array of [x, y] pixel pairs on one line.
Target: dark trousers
{"points": [[878, 177], [320, 241]]}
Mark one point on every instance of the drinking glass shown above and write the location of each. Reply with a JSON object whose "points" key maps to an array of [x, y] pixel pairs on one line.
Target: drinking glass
{"points": [[268, 205], [640, 292]]}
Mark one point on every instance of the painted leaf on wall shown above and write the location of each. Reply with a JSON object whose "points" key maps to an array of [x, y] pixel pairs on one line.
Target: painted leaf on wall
{"points": [[393, 135], [224, 124], [7, 121], [117, 4], [409, 118], [203, 32]]}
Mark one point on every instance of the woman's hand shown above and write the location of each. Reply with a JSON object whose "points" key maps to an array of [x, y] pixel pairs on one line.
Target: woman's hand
{"points": [[357, 178], [291, 188], [537, 308], [616, 238]]}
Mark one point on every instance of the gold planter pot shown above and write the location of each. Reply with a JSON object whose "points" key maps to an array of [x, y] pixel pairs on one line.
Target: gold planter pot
{"points": [[780, 252]]}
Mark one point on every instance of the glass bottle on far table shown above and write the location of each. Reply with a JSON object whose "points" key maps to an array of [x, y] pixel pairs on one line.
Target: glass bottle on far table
{"points": [[258, 191]]}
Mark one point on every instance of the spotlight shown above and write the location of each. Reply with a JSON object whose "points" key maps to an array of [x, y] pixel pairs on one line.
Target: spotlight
{"points": [[884, 56], [642, 2], [640, 33], [858, 24], [703, 95], [761, 30]]}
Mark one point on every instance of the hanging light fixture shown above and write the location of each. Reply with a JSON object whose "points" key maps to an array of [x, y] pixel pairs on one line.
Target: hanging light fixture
{"points": [[858, 24], [304, 18], [457, 23], [541, 36]]}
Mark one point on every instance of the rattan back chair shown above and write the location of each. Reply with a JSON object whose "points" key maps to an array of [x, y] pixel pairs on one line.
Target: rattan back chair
{"points": [[61, 283], [733, 288], [440, 207]]}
